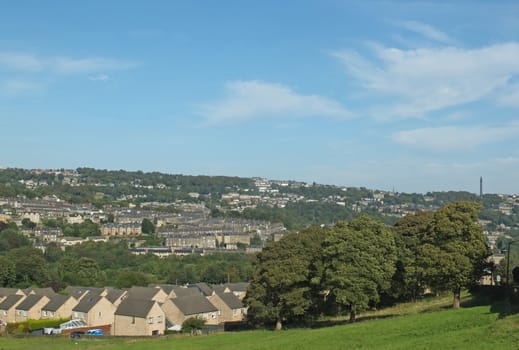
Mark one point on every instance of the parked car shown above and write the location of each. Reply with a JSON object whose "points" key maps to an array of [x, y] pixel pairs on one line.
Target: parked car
{"points": [[76, 334], [95, 332]]}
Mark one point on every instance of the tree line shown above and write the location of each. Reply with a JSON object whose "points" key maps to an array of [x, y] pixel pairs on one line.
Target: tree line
{"points": [[100, 264], [363, 263]]}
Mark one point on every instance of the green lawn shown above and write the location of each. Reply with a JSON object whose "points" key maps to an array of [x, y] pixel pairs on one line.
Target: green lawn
{"points": [[469, 328]]}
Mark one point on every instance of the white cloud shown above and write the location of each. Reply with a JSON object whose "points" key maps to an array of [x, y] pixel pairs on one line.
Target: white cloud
{"points": [[430, 79], [426, 30], [247, 100], [65, 65], [16, 87], [454, 138], [99, 77], [68, 65]]}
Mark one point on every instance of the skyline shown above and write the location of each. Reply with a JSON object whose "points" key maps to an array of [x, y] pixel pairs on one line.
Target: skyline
{"points": [[414, 96]]}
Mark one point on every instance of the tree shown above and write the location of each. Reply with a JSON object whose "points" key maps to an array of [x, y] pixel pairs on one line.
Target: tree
{"points": [[28, 224], [30, 266], [281, 288], [7, 272], [359, 259], [147, 226], [454, 252], [193, 325], [410, 231]]}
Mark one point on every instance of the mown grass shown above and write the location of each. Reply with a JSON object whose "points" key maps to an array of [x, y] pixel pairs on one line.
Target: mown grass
{"points": [[418, 326]]}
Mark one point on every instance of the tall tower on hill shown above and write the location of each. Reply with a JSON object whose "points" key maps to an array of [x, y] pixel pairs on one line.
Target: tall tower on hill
{"points": [[481, 187]]}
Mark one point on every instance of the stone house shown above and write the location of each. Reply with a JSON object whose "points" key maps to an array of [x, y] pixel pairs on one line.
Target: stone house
{"points": [[138, 318], [30, 307], [95, 310], [8, 306], [177, 310], [59, 306], [147, 293], [230, 307]]}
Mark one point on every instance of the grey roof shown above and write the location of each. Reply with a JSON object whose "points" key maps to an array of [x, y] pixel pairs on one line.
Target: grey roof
{"points": [[203, 288], [143, 293], [8, 291], [114, 294], [78, 292], [237, 287], [40, 291], [88, 302], [184, 292], [167, 288], [194, 304], [219, 288], [135, 307], [10, 301], [231, 300], [56, 301], [29, 302]]}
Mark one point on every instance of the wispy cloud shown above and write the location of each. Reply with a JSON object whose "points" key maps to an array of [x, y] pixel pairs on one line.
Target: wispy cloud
{"points": [[455, 138], [89, 65], [16, 87], [426, 31], [59, 64], [99, 77], [20, 61], [247, 100], [430, 79]]}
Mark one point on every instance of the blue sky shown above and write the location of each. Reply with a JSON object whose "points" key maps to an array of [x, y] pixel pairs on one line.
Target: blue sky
{"points": [[414, 96]]}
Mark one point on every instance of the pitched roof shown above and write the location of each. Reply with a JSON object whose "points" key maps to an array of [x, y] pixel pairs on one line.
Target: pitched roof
{"points": [[203, 288], [87, 303], [29, 302], [56, 301], [184, 292], [10, 301], [167, 288], [114, 294], [134, 307], [194, 304], [237, 287], [78, 292], [40, 291], [231, 300], [9, 291], [143, 293]]}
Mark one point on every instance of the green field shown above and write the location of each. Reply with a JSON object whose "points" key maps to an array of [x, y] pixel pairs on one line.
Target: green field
{"points": [[478, 327]]}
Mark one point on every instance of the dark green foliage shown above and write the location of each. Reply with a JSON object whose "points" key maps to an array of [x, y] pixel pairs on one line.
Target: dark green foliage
{"points": [[30, 266], [281, 288], [359, 260], [193, 325], [147, 226]]}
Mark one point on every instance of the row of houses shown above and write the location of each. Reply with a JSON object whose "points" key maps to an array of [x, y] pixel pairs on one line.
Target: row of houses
{"points": [[138, 311]]}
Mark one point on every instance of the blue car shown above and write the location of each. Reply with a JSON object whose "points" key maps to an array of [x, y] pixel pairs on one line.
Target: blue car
{"points": [[95, 332]]}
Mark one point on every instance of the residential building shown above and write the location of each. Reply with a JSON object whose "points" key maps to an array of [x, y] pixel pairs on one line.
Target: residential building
{"points": [[138, 318]]}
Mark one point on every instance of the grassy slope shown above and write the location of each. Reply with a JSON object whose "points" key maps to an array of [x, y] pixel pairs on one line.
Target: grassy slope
{"points": [[472, 327]]}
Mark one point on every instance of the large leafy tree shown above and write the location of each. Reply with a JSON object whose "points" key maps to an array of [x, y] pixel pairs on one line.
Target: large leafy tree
{"points": [[454, 251], [359, 259], [281, 288], [410, 232]]}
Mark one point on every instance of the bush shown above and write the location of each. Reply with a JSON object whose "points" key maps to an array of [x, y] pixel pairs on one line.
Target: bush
{"points": [[193, 325]]}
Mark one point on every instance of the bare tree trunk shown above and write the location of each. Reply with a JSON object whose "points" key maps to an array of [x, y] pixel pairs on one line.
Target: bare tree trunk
{"points": [[279, 325], [457, 299], [353, 313]]}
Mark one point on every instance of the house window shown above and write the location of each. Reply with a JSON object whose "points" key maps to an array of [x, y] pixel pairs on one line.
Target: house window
{"points": [[44, 313], [133, 320], [99, 314], [159, 319], [52, 314], [234, 312], [206, 316], [4, 312], [150, 320], [25, 313]]}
